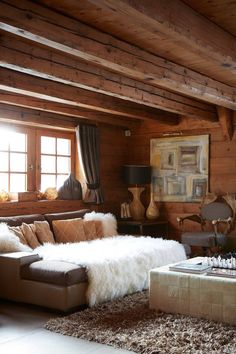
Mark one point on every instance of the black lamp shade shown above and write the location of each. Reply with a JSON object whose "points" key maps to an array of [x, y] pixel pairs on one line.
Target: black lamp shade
{"points": [[137, 174]]}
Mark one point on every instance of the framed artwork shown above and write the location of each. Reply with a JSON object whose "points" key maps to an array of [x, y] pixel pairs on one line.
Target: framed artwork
{"points": [[180, 168]]}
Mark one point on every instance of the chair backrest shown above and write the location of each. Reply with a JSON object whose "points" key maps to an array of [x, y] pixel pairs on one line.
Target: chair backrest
{"points": [[216, 210]]}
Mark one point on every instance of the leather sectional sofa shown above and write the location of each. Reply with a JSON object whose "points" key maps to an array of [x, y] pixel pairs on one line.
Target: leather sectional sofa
{"points": [[24, 277]]}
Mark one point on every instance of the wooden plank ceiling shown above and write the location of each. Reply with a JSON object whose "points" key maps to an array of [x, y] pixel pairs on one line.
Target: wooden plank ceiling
{"points": [[118, 61]]}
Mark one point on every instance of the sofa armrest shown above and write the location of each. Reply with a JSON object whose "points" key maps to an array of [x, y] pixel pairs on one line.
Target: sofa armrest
{"points": [[19, 258], [10, 264]]}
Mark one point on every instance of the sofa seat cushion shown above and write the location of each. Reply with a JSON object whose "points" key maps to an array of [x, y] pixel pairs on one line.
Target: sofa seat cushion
{"points": [[54, 272]]}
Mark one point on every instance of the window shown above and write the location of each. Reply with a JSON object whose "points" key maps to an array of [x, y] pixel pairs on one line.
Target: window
{"points": [[55, 161], [13, 157], [35, 159]]}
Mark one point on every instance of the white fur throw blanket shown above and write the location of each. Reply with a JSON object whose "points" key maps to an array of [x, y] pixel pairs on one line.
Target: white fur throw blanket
{"points": [[118, 265]]}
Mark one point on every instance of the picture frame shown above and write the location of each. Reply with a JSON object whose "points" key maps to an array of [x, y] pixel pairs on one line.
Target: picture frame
{"points": [[180, 168]]}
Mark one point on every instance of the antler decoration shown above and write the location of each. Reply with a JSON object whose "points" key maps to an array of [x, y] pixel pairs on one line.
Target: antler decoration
{"points": [[231, 200]]}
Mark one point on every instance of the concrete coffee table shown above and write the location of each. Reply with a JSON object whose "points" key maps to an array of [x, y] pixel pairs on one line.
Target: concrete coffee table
{"points": [[197, 295]]}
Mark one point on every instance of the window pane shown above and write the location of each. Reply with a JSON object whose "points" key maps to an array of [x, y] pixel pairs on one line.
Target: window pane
{"points": [[63, 147], [4, 181], [61, 179], [17, 182], [17, 162], [4, 139], [17, 142], [3, 161], [47, 181], [63, 164], [48, 164], [48, 145]]}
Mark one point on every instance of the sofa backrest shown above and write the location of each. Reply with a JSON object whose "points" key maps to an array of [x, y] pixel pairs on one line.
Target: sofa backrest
{"points": [[19, 219], [66, 215]]}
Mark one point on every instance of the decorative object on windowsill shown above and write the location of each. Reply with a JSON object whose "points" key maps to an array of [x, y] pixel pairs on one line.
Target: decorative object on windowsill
{"points": [[4, 196], [50, 193], [125, 211], [137, 175], [27, 196], [40, 195], [71, 189], [152, 211]]}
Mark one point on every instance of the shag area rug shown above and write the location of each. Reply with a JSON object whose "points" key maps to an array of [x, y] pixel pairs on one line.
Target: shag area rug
{"points": [[129, 324]]}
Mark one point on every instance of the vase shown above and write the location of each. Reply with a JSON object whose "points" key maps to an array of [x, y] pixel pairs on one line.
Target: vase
{"points": [[152, 211], [137, 209]]}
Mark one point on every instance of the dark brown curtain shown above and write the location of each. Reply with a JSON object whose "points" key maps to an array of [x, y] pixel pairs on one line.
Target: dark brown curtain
{"points": [[88, 145]]}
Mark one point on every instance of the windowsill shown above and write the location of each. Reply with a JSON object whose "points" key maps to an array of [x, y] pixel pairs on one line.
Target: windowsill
{"points": [[41, 201], [15, 207]]}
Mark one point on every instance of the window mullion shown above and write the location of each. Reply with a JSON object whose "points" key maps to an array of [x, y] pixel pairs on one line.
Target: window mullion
{"points": [[31, 161]]}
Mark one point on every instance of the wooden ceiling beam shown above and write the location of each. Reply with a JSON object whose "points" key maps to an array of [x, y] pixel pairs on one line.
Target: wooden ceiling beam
{"points": [[49, 64], [75, 113], [41, 25], [177, 21], [13, 81], [226, 122], [9, 113]]}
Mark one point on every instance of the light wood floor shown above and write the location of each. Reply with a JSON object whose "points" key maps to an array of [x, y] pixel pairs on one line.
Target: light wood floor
{"points": [[22, 332]]}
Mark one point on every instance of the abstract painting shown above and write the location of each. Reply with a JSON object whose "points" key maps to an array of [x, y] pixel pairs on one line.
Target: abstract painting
{"points": [[180, 168]]}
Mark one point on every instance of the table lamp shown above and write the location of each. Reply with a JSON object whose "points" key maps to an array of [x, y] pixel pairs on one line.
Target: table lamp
{"points": [[136, 176]]}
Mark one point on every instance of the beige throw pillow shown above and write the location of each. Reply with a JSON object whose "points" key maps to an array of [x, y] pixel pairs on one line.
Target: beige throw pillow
{"points": [[43, 232], [99, 228], [90, 230], [18, 232], [70, 230], [29, 232]]}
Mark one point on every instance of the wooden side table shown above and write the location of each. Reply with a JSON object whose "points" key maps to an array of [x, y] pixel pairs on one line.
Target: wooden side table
{"points": [[154, 228]]}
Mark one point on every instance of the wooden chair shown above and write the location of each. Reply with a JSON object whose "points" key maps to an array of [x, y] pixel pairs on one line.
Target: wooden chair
{"points": [[220, 217]]}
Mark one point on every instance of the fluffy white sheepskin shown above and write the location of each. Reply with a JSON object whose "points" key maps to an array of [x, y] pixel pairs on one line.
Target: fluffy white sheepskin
{"points": [[9, 242], [108, 220], [116, 265]]}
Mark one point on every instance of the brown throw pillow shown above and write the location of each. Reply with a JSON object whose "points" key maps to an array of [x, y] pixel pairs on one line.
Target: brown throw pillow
{"points": [[99, 228], [28, 231], [18, 232], [43, 232], [70, 230], [90, 230]]}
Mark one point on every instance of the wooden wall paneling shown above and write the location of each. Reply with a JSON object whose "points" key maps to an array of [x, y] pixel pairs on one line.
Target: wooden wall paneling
{"points": [[113, 155], [226, 122]]}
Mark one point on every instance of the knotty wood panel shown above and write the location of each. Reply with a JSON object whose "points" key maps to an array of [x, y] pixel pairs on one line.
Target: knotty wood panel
{"points": [[114, 154]]}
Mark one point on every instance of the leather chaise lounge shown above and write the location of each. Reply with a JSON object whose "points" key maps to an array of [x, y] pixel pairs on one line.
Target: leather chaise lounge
{"points": [[24, 277]]}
